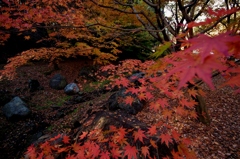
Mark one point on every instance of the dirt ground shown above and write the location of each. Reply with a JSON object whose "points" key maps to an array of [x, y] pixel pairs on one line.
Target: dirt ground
{"points": [[219, 140]]}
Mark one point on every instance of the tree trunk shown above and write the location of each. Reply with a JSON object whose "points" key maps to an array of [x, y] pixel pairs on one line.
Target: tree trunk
{"points": [[202, 110]]}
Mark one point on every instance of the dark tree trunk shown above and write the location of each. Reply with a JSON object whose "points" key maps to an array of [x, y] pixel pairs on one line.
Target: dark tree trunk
{"points": [[202, 110]]}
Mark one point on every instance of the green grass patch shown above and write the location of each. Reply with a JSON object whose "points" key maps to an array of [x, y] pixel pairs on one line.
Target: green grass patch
{"points": [[95, 85], [53, 102]]}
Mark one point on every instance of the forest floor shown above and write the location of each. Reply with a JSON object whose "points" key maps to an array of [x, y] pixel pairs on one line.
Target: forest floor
{"points": [[219, 140]]}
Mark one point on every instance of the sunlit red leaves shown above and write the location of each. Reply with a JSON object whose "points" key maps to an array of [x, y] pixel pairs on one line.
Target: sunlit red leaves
{"points": [[216, 44], [190, 65]]}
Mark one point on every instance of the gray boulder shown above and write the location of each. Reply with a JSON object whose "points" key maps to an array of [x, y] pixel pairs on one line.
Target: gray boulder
{"points": [[71, 88], [114, 104], [58, 82], [15, 108]]}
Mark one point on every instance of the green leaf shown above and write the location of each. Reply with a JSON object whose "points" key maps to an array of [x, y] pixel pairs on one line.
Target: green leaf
{"points": [[160, 50]]}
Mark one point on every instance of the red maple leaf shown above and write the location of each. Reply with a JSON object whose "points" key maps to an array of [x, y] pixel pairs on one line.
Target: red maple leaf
{"points": [[62, 149], [129, 100], [149, 95], [176, 155], [141, 96], [154, 105], [31, 151], [70, 157], [190, 66], [192, 92], [153, 143], [105, 155], [187, 103], [163, 102], [175, 135], [120, 136], [130, 151], [65, 139], [193, 114], [84, 134], [55, 137], [215, 44], [76, 147], [167, 113], [133, 90], [95, 150], [113, 128], [166, 138], [139, 135], [152, 130], [181, 111], [116, 153], [186, 141], [145, 151], [46, 147], [122, 82]]}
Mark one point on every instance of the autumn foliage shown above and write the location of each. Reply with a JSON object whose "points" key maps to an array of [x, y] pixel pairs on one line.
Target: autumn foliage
{"points": [[164, 87], [163, 95]]}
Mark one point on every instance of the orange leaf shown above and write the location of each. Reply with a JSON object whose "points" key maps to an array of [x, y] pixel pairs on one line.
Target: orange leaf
{"points": [[167, 113], [155, 106], [153, 143], [166, 138], [26, 37], [193, 92], [145, 151]]}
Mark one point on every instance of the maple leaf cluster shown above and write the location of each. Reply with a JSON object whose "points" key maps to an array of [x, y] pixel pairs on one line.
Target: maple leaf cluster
{"points": [[163, 88], [112, 143]]}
